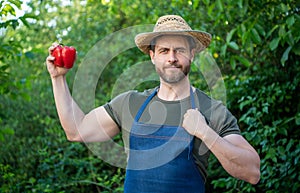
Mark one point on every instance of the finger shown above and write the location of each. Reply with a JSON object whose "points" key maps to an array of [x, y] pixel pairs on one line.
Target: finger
{"points": [[50, 59], [185, 115], [192, 111], [189, 111], [52, 47], [50, 67]]}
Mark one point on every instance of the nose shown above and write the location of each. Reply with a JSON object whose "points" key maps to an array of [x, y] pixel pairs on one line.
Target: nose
{"points": [[172, 57]]}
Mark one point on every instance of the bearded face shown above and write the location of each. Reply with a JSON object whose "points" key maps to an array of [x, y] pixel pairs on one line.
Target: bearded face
{"points": [[172, 58]]}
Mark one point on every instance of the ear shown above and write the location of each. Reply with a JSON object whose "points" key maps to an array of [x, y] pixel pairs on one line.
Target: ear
{"points": [[151, 54], [192, 54]]}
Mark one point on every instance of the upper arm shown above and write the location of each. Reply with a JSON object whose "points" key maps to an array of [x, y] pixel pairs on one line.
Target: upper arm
{"points": [[97, 126]]}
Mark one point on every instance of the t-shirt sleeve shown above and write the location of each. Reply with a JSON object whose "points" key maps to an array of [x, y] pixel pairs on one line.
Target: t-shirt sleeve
{"points": [[115, 106], [223, 122]]}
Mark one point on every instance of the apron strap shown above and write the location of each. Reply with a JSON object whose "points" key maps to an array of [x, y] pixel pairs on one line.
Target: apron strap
{"points": [[192, 98], [144, 105], [193, 106]]}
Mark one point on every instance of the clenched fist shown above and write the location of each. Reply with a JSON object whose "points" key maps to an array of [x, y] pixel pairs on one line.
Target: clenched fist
{"points": [[195, 123], [54, 70]]}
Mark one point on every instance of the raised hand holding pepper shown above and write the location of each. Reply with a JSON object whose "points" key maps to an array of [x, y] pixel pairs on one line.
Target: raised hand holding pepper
{"points": [[60, 59]]}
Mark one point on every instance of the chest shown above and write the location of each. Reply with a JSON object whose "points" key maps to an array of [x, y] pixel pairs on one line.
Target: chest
{"points": [[164, 113]]}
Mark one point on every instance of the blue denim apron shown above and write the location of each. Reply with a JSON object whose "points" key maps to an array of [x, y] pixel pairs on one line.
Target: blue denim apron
{"points": [[160, 158]]}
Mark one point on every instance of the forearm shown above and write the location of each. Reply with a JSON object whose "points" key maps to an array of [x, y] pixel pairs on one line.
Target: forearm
{"points": [[240, 162], [69, 113]]}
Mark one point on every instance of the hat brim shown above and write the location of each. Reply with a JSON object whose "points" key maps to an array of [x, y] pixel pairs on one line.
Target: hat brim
{"points": [[202, 39]]}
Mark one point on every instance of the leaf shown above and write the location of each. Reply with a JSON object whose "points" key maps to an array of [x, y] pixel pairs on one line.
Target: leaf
{"points": [[289, 145], [6, 131], [13, 23], [233, 45], [223, 50], [243, 27], [206, 2], [195, 4], [283, 131], [282, 31], [229, 35], [220, 5], [245, 37], [240, 4], [32, 180], [244, 61], [265, 108], [255, 36], [289, 38], [272, 30], [232, 62], [274, 43], [30, 15], [290, 21], [296, 49], [298, 119], [271, 153], [24, 21], [285, 55], [17, 3], [8, 9], [260, 29]]}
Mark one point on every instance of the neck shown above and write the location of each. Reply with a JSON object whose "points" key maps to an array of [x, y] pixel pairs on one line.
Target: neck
{"points": [[171, 92]]}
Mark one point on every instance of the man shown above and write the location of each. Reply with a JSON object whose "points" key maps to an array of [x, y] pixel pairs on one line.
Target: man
{"points": [[169, 131]]}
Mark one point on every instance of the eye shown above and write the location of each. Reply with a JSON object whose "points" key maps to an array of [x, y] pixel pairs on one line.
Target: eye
{"points": [[181, 50], [163, 50]]}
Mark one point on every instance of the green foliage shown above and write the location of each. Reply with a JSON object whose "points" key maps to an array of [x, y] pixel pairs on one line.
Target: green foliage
{"points": [[255, 45], [277, 136], [261, 46]]}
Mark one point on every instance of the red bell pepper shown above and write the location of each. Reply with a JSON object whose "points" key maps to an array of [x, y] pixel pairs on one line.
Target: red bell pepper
{"points": [[65, 56]]}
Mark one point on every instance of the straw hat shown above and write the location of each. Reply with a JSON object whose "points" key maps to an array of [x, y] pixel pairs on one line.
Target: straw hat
{"points": [[172, 25]]}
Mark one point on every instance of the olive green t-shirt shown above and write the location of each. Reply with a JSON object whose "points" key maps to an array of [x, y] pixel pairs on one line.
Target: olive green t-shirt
{"points": [[124, 107]]}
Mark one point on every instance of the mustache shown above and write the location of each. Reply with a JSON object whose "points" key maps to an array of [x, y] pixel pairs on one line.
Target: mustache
{"points": [[176, 64]]}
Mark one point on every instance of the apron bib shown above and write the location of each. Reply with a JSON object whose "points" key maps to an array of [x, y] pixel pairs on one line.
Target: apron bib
{"points": [[160, 158]]}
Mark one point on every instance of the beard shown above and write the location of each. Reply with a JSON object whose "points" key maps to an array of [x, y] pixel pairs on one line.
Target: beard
{"points": [[175, 76]]}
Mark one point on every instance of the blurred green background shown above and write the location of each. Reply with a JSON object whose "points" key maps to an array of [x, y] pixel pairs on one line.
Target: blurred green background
{"points": [[255, 45]]}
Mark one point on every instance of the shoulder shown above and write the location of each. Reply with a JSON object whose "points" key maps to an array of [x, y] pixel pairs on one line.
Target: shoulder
{"points": [[217, 114], [123, 107], [130, 97], [207, 103], [132, 94]]}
